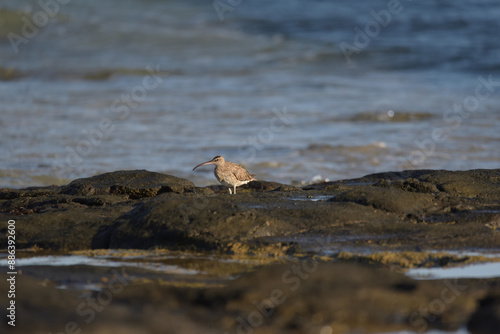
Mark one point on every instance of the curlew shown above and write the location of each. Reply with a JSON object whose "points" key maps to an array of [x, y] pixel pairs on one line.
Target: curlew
{"points": [[229, 173]]}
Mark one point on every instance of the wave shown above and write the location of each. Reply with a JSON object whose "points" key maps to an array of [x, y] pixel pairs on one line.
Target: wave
{"points": [[389, 116]]}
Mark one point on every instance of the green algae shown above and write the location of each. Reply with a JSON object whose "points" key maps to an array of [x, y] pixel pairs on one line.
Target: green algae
{"points": [[9, 73], [107, 74], [10, 22]]}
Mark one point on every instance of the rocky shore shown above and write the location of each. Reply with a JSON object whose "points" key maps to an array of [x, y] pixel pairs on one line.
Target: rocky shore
{"points": [[411, 210], [332, 255]]}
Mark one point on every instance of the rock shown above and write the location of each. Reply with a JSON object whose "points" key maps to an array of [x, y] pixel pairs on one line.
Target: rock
{"points": [[306, 296], [141, 209], [256, 186], [388, 199], [194, 222], [71, 217], [473, 183], [415, 185], [28, 192], [269, 186], [213, 222], [132, 183], [296, 229], [302, 296], [486, 319]]}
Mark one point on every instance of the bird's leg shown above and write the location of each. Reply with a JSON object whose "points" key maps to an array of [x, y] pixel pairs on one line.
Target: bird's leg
{"points": [[235, 189], [229, 191]]}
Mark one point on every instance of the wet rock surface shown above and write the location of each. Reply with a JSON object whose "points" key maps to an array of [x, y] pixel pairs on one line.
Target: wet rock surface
{"points": [[141, 209], [330, 254], [304, 296]]}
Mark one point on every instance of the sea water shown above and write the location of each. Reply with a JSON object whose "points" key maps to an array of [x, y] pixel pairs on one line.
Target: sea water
{"points": [[296, 90]]}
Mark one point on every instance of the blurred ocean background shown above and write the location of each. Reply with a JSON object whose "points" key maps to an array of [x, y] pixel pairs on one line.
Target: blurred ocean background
{"points": [[290, 88]]}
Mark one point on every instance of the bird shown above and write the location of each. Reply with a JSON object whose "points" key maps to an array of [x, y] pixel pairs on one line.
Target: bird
{"points": [[229, 173]]}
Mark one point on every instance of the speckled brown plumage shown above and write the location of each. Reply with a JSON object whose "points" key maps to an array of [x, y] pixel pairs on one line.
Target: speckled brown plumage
{"points": [[229, 173]]}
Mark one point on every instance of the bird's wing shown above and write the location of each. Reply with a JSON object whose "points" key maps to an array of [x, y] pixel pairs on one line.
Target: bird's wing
{"points": [[241, 174]]}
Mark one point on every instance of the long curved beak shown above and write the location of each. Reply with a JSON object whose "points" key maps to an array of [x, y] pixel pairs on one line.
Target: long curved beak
{"points": [[205, 163]]}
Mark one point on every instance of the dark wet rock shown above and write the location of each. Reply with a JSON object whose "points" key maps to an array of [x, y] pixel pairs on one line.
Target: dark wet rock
{"points": [[414, 185], [193, 222], [386, 214], [216, 221], [132, 183], [486, 318], [302, 296], [388, 199], [474, 183], [97, 200], [28, 192], [70, 217], [139, 209], [373, 179], [269, 186], [255, 186]]}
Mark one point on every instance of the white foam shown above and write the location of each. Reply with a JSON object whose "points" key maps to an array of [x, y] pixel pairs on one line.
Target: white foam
{"points": [[479, 270], [74, 260]]}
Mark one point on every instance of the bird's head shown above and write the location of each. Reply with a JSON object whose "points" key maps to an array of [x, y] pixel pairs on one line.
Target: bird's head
{"points": [[218, 160]]}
